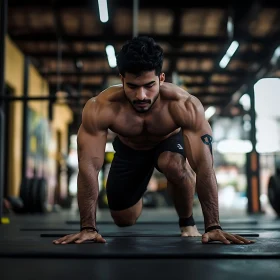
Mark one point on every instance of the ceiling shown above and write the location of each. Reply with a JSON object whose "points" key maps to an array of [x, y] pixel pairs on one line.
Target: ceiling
{"points": [[62, 36]]}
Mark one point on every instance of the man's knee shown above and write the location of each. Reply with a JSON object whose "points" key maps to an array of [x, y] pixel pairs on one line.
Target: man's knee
{"points": [[127, 217], [175, 167], [123, 220], [124, 223]]}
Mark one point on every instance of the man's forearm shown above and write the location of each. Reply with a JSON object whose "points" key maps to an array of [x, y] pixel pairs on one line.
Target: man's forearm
{"points": [[207, 192], [88, 191]]}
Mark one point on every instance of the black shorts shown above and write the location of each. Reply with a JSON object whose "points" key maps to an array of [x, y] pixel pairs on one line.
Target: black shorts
{"points": [[131, 170]]}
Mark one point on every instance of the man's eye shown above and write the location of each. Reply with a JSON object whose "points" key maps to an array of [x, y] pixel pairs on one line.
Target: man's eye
{"points": [[149, 86]]}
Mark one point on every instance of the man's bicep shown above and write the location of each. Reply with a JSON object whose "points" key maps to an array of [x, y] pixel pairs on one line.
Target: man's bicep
{"points": [[198, 145], [91, 149]]}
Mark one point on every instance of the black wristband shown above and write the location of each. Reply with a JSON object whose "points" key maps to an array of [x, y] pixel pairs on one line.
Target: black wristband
{"points": [[92, 228], [185, 222], [212, 228]]}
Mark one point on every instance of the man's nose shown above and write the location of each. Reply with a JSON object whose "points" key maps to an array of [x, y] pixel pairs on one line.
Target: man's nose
{"points": [[141, 93]]}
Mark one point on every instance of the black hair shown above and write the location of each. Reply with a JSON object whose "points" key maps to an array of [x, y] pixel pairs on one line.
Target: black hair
{"points": [[140, 54]]}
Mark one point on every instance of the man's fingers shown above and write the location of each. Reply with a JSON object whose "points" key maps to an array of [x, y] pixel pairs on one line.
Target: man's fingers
{"points": [[66, 239], [60, 240], [224, 240], [234, 239], [100, 239], [205, 238], [246, 241], [70, 239]]}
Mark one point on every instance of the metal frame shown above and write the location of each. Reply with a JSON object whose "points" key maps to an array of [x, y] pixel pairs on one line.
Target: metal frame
{"points": [[3, 30], [25, 118]]}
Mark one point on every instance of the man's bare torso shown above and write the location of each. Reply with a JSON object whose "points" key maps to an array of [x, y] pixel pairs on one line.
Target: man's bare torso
{"points": [[143, 131]]}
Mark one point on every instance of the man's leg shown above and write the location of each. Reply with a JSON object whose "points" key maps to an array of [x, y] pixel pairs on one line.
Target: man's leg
{"points": [[181, 186], [129, 216], [125, 189], [127, 181]]}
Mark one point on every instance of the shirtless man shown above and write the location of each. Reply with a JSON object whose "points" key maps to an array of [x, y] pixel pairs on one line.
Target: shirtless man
{"points": [[158, 125]]}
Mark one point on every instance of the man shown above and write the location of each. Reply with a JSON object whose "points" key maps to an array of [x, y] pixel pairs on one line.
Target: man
{"points": [[159, 125]]}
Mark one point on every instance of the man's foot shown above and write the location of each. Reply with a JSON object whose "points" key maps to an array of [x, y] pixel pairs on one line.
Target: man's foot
{"points": [[190, 231]]}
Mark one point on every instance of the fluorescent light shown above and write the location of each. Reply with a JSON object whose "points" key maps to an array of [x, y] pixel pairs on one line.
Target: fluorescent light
{"points": [[234, 146], [112, 62], [111, 56], [230, 52], [224, 62], [103, 10], [110, 50], [275, 56], [210, 112], [230, 26], [245, 101], [232, 48]]}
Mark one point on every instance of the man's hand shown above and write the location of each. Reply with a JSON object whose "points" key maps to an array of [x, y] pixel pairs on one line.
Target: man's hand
{"points": [[224, 237], [81, 237]]}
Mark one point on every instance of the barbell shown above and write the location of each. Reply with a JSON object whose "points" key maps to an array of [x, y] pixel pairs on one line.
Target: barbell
{"points": [[274, 192]]}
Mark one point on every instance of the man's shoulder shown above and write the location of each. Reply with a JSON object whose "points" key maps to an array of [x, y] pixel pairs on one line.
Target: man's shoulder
{"points": [[174, 92], [111, 94], [184, 107], [109, 98]]}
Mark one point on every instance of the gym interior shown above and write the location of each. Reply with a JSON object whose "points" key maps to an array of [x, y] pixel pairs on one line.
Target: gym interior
{"points": [[56, 55]]}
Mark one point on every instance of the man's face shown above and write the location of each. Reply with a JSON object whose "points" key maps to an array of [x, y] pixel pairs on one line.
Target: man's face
{"points": [[142, 90]]}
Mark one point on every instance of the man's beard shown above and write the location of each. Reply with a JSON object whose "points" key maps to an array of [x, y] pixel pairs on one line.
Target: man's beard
{"points": [[146, 101]]}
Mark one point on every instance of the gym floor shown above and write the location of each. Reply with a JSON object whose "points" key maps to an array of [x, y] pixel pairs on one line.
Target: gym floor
{"points": [[151, 249]]}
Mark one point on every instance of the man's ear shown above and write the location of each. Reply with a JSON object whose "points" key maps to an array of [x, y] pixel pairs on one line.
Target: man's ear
{"points": [[122, 78], [161, 78]]}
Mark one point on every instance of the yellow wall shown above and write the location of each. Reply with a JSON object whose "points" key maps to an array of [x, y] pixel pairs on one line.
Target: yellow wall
{"points": [[14, 78], [38, 87], [58, 124], [14, 63]]}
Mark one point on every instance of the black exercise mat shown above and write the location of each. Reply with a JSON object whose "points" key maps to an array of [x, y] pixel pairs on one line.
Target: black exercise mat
{"points": [[155, 227], [135, 234], [175, 221], [138, 247], [139, 269]]}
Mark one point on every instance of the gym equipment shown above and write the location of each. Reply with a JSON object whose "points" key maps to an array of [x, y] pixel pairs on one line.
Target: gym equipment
{"points": [[2, 129], [33, 193], [16, 204], [40, 195], [25, 188], [274, 193]]}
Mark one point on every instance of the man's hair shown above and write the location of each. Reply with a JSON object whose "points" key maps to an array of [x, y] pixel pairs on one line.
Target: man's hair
{"points": [[140, 54]]}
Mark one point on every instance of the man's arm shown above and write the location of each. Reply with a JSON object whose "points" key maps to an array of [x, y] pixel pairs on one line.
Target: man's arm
{"points": [[197, 135], [92, 137], [91, 142]]}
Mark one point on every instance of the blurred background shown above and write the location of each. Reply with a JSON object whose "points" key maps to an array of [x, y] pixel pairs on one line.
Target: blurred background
{"points": [[55, 55]]}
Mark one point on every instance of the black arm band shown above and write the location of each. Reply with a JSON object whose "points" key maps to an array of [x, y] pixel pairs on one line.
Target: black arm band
{"points": [[92, 228], [212, 228], [185, 222]]}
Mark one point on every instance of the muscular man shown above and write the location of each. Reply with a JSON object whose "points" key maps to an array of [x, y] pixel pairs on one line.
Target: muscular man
{"points": [[158, 125]]}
